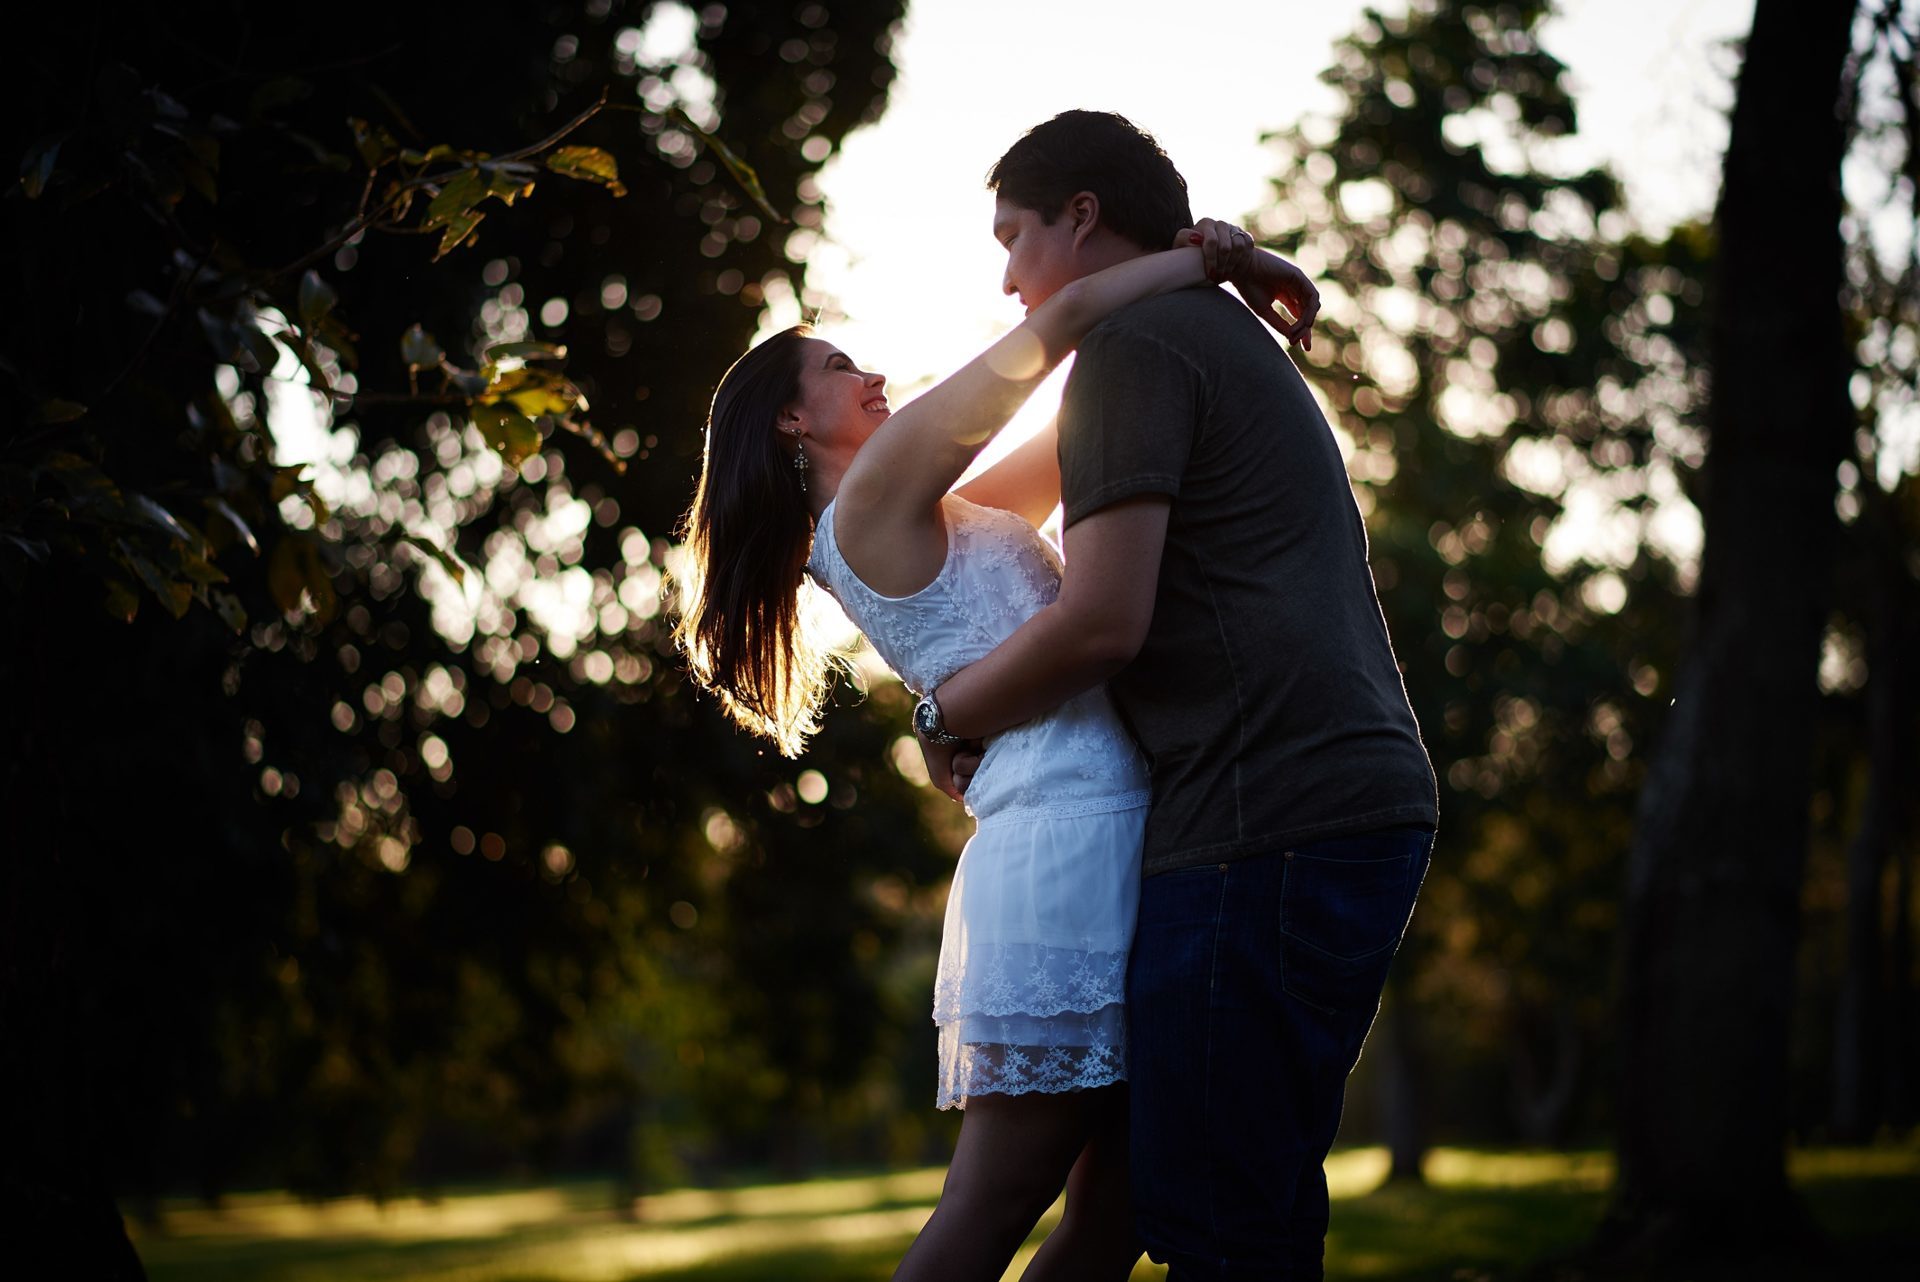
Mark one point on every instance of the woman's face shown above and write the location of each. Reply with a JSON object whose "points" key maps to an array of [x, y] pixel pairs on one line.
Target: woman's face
{"points": [[839, 403]]}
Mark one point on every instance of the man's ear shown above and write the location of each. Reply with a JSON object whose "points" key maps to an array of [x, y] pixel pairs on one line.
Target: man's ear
{"points": [[1083, 215]]}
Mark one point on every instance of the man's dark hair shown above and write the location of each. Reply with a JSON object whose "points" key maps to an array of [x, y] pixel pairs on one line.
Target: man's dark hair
{"points": [[1142, 196]]}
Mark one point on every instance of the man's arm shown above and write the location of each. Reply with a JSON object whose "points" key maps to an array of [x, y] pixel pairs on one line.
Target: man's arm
{"points": [[1093, 629]]}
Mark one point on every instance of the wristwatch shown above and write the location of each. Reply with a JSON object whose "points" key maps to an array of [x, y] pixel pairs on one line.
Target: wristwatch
{"points": [[930, 724]]}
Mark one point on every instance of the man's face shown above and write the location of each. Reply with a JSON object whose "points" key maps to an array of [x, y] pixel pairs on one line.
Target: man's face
{"points": [[1040, 258]]}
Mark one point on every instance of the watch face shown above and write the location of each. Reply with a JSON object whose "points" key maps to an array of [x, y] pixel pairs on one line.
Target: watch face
{"points": [[925, 720]]}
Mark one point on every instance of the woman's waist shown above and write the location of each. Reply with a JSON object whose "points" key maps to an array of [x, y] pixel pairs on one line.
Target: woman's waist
{"points": [[1060, 764]]}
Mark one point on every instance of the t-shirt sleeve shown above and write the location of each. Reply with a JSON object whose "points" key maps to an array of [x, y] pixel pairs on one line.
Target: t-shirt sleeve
{"points": [[1128, 420]]}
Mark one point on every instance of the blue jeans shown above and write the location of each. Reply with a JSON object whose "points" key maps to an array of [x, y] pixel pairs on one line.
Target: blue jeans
{"points": [[1252, 985]]}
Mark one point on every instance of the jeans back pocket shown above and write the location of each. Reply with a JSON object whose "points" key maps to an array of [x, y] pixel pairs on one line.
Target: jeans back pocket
{"points": [[1343, 906]]}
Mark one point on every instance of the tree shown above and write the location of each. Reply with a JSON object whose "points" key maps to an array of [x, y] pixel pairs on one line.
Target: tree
{"points": [[345, 855], [1866, 668], [1500, 349], [1721, 828]]}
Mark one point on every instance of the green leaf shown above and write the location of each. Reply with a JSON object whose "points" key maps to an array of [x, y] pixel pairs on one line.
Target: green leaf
{"points": [[317, 298], [507, 430], [55, 410], [81, 478], [316, 375], [458, 197], [419, 349], [32, 549], [259, 347], [175, 596], [591, 164], [224, 510], [742, 172], [200, 570], [457, 230], [159, 517]]}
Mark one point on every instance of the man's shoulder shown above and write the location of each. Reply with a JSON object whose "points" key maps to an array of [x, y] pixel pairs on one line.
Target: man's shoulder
{"points": [[1183, 319]]}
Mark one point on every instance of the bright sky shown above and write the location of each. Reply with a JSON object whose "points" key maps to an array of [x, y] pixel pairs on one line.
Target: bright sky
{"points": [[906, 264]]}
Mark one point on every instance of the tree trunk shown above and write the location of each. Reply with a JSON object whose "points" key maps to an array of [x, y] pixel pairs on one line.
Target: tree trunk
{"points": [[1715, 870], [1547, 1055], [1902, 1102], [1399, 1090], [1861, 1048]]}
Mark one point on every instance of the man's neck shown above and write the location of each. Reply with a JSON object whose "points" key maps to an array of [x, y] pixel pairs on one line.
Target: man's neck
{"points": [[1103, 249]]}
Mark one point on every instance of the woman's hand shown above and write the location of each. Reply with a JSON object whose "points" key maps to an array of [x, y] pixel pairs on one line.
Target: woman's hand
{"points": [[1225, 250], [1228, 253], [1269, 279]]}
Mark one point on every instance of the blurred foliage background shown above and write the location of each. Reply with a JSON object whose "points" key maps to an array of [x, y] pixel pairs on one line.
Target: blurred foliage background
{"points": [[364, 836]]}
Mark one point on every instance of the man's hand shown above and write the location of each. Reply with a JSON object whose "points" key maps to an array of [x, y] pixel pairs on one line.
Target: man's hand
{"points": [[950, 767], [1268, 279], [966, 760]]}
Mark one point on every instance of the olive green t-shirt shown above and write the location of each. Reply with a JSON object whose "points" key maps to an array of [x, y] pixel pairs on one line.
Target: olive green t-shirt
{"points": [[1266, 697]]}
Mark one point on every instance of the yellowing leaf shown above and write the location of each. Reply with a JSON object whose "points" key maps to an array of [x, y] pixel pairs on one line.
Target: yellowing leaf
{"points": [[458, 230], [507, 430], [526, 350], [592, 164], [541, 399], [460, 194]]}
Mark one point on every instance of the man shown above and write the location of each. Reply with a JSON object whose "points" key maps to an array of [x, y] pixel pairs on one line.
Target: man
{"points": [[1217, 579]]}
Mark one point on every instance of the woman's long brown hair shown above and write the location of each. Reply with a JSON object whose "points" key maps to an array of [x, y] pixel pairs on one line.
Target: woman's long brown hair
{"points": [[748, 536]]}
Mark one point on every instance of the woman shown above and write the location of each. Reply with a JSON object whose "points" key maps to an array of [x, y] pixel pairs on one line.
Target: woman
{"points": [[809, 471]]}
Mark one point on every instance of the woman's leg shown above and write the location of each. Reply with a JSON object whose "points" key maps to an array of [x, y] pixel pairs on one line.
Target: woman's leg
{"points": [[1013, 1156], [1094, 1241]]}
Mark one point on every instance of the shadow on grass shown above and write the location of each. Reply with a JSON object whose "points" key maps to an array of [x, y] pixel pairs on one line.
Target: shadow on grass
{"points": [[1486, 1217]]}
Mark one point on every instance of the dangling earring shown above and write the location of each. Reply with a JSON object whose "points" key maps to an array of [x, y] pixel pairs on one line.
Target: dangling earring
{"points": [[800, 463]]}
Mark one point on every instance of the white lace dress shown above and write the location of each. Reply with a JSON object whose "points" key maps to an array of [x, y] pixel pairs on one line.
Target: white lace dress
{"points": [[1033, 959]]}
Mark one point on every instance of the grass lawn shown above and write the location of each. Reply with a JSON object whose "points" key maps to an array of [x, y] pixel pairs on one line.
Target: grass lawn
{"points": [[1482, 1217]]}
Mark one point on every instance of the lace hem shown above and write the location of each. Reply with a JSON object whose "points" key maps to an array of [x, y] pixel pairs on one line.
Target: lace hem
{"points": [[1002, 980], [1022, 1066]]}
